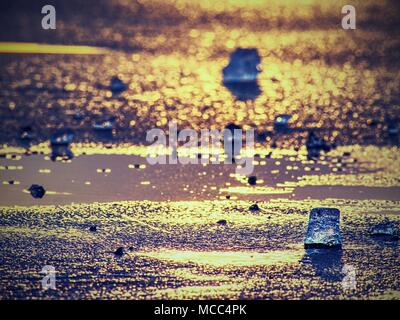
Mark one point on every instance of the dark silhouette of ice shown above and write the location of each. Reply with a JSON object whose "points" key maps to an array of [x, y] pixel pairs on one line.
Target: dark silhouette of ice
{"points": [[315, 145], [281, 123], [323, 229], [384, 231], [243, 66], [60, 145], [61, 152], [104, 129], [119, 252]]}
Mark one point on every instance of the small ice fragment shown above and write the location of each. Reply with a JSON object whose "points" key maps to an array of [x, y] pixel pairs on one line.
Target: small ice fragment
{"points": [[103, 126], [232, 141], [323, 229], [26, 133], [222, 222], [119, 252], [62, 137], [281, 122], [384, 231], [252, 180]]}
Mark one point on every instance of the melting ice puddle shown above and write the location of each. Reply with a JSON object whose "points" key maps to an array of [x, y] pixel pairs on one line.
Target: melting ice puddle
{"points": [[227, 258]]}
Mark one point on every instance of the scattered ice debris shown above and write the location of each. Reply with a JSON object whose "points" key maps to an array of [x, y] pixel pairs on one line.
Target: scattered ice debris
{"points": [[222, 222], [119, 252], [254, 207], [62, 137], [243, 66], [37, 191], [117, 85], [384, 231], [315, 145], [252, 180], [93, 229], [281, 123], [323, 229]]}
